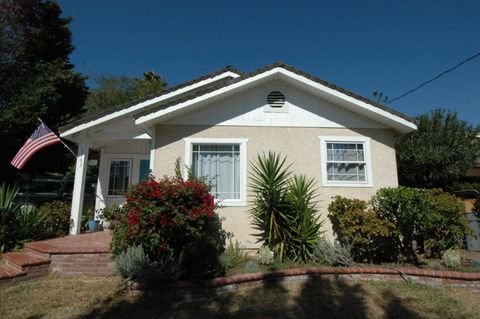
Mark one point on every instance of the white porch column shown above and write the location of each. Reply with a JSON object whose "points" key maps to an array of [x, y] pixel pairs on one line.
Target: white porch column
{"points": [[79, 186]]}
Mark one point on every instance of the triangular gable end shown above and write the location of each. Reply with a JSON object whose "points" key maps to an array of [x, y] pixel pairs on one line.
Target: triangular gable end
{"points": [[340, 97]]}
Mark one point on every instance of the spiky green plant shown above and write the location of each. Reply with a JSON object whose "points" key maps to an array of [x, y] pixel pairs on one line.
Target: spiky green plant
{"points": [[9, 207], [304, 223], [283, 209], [270, 209]]}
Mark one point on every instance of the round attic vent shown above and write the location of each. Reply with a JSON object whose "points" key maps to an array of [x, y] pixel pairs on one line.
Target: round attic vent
{"points": [[276, 99]]}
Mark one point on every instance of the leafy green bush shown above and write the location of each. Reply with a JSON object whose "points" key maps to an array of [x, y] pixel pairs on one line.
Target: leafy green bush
{"points": [[332, 254], [265, 256], [57, 221], [431, 218], [170, 216], [476, 207], [410, 210], [451, 258], [402, 222], [284, 208], [449, 225], [371, 238]]}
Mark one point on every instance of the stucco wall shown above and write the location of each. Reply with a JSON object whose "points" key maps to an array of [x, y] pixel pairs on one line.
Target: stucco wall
{"points": [[302, 148]]}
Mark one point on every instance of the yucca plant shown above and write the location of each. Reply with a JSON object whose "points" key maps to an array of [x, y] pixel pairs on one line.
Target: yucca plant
{"points": [[30, 224], [271, 207], [304, 224], [9, 207], [283, 209]]}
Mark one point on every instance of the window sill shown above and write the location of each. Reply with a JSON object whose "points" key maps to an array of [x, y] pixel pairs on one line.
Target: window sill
{"points": [[352, 185], [231, 203]]}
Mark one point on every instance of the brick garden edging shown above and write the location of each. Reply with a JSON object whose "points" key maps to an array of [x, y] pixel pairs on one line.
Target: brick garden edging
{"points": [[421, 276]]}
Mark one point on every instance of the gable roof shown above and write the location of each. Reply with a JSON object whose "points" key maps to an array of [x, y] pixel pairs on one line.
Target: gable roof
{"points": [[204, 81], [149, 109]]}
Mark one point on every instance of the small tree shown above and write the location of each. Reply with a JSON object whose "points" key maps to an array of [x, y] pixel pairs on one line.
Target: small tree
{"points": [[439, 152], [116, 90]]}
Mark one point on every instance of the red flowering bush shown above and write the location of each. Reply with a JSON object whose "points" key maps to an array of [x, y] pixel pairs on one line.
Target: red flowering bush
{"points": [[171, 217]]}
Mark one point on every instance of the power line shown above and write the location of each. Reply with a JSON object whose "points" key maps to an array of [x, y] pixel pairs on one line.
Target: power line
{"points": [[433, 79]]}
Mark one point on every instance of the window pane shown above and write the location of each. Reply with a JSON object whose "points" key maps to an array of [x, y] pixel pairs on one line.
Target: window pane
{"points": [[346, 172], [220, 164], [119, 177], [345, 152]]}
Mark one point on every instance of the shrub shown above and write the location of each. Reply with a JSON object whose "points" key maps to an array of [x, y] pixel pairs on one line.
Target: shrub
{"points": [[233, 256], [57, 221], [265, 256], [451, 258], [9, 207], [304, 223], [476, 207], [132, 264], [269, 185], [171, 216], [449, 226], [410, 210], [371, 238], [284, 208], [332, 254], [30, 225], [251, 266], [431, 218]]}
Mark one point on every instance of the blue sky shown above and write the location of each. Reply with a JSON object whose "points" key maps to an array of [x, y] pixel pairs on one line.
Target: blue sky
{"points": [[360, 45]]}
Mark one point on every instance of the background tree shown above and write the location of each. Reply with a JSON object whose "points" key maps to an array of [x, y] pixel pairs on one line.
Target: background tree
{"points": [[116, 90], [439, 152], [36, 80]]}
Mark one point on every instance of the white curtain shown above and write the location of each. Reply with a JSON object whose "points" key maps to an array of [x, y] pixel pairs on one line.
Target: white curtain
{"points": [[220, 164]]}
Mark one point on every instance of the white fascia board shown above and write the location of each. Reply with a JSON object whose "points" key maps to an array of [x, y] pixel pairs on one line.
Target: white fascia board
{"points": [[143, 104], [347, 98], [155, 116], [152, 117]]}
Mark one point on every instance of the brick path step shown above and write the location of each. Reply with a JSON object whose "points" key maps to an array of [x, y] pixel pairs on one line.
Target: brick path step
{"points": [[8, 272], [23, 260]]}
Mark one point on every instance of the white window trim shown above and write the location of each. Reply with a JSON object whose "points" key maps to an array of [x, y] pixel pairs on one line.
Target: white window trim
{"points": [[342, 139], [242, 142]]}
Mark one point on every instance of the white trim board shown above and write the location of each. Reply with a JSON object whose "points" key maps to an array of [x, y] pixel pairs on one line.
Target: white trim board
{"points": [[141, 105]]}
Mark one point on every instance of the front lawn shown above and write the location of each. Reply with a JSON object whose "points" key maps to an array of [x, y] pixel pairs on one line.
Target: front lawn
{"points": [[76, 297]]}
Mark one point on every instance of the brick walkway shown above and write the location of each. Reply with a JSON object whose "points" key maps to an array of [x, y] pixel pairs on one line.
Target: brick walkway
{"points": [[85, 254], [89, 243]]}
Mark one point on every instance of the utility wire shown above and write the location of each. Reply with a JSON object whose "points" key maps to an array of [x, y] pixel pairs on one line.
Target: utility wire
{"points": [[435, 78]]}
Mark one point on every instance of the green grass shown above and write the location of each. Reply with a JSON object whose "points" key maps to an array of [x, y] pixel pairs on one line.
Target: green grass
{"points": [[77, 297]]}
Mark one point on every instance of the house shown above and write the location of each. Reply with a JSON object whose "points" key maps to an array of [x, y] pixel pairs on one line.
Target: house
{"points": [[217, 124]]}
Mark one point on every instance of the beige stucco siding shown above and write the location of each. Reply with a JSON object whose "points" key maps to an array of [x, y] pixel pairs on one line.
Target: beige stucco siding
{"points": [[302, 148]]}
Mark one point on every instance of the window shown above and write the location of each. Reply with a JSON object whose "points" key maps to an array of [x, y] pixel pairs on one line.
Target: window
{"points": [[119, 177], [223, 163], [345, 161]]}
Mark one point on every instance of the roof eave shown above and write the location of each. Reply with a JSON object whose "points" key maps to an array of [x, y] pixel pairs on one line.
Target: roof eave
{"points": [[69, 132]]}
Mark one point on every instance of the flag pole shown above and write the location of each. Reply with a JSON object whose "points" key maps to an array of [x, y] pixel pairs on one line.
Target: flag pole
{"points": [[66, 146]]}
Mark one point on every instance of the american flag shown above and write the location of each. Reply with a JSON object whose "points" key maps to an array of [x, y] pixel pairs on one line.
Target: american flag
{"points": [[41, 138]]}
